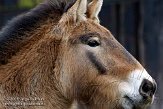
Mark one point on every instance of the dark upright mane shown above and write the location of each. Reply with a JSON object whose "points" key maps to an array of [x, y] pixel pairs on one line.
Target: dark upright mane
{"points": [[13, 36]]}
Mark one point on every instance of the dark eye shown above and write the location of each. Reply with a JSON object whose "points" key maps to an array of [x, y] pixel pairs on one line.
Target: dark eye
{"points": [[93, 43]]}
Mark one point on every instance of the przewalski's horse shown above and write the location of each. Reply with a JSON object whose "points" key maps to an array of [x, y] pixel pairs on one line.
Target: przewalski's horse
{"points": [[59, 52]]}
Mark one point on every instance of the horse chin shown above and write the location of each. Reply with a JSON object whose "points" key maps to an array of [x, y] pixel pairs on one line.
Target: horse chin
{"points": [[129, 103]]}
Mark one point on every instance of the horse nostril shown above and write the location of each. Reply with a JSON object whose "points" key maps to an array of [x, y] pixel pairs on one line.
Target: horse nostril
{"points": [[147, 88]]}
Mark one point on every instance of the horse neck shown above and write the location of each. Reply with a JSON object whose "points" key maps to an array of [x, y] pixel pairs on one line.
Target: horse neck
{"points": [[31, 70]]}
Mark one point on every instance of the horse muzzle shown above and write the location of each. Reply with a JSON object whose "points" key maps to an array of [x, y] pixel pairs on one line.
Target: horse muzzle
{"points": [[138, 91]]}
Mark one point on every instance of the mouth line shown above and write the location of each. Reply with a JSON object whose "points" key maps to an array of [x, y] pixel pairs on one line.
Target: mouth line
{"points": [[136, 105], [128, 98], [130, 101]]}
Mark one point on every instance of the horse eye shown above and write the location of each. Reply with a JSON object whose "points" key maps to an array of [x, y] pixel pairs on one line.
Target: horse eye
{"points": [[93, 43]]}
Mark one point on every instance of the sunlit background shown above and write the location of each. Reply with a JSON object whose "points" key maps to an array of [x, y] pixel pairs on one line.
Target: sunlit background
{"points": [[137, 25]]}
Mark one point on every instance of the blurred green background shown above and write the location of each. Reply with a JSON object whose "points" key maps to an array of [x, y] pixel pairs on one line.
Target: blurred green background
{"points": [[14, 4]]}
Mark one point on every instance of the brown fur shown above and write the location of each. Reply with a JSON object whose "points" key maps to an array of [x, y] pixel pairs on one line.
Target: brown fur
{"points": [[53, 65]]}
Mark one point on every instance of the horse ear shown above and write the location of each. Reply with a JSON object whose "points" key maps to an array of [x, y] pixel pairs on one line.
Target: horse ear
{"points": [[77, 12], [94, 9]]}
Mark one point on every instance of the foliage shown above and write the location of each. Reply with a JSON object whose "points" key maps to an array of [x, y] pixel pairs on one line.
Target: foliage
{"points": [[28, 3]]}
